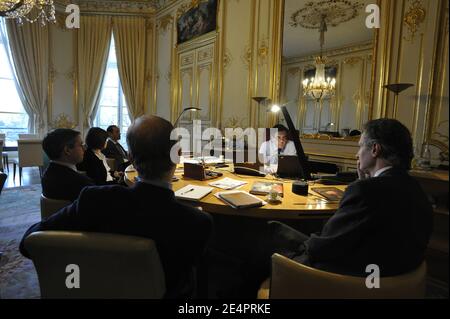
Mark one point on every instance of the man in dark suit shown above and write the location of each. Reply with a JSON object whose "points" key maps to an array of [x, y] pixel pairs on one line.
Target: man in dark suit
{"points": [[61, 180], [115, 150], [148, 209], [384, 218]]}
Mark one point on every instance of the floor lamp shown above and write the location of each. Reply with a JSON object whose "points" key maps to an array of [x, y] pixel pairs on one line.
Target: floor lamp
{"points": [[397, 88]]}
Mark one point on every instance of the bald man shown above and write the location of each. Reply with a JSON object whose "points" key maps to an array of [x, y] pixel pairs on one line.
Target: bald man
{"points": [[148, 209]]}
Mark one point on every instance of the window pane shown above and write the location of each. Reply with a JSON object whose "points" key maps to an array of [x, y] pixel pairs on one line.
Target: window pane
{"points": [[108, 116], [125, 117], [110, 97], [12, 125], [5, 72], [10, 101], [111, 78]]}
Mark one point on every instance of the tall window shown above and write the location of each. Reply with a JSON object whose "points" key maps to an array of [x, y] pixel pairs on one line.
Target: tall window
{"points": [[13, 118], [113, 108]]}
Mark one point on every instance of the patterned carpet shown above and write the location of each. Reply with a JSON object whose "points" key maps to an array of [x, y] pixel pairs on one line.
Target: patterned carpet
{"points": [[19, 209]]}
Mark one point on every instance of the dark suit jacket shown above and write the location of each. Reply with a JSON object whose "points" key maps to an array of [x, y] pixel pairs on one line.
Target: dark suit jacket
{"points": [[94, 168], [181, 232], [112, 150], [61, 182], [385, 221]]}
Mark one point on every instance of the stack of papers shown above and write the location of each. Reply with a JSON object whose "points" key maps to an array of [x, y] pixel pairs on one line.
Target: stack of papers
{"points": [[227, 183]]}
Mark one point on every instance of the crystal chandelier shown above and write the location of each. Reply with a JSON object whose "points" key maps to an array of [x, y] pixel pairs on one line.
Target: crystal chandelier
{"points": [[31, 11], [320, 87]]}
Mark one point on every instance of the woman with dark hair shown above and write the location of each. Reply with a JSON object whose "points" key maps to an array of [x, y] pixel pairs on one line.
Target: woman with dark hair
{"points": [[94, 162]]}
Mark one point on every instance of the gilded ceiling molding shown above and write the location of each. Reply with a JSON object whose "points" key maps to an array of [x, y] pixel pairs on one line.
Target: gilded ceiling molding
{"points": [[186, 7], [335, 11], [293, 71], [165, 23], [111, 6], [414, 18], [352, 61], [345, 50], [62, 121]]}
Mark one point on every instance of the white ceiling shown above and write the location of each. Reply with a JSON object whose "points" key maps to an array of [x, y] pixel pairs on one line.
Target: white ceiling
{"points": [[298, 41]]}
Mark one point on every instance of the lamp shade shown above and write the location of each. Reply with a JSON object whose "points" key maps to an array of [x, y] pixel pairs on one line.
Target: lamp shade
{"points": [[398, 87]]}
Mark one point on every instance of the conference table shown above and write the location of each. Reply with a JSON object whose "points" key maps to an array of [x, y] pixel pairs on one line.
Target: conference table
{"points": [[292, 206], [241, 236]]}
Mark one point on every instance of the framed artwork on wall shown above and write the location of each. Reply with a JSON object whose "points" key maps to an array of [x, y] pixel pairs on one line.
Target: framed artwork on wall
{"points": [[197, 21]]}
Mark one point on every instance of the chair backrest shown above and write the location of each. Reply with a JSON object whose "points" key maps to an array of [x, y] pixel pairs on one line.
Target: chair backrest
{"points": [[111, 163], [30, 153], [107, 265], [51, 206], [28, 136], [292, 280], [3, 177]]}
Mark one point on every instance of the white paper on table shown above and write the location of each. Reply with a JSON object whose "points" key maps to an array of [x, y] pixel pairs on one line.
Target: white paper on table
{"points": [[227, 183]]}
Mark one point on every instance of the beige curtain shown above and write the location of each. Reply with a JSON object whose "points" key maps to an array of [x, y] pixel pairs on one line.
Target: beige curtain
{"points": [[130, 41], [94, 39], [30, 54]]}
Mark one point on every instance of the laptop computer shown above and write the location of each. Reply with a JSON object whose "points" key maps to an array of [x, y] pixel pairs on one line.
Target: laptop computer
{"points": [[289, 167]]}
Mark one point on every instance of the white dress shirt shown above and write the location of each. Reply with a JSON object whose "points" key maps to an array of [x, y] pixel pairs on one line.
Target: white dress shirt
{"points": [[102, 157], [269, 151], [382, 170]]}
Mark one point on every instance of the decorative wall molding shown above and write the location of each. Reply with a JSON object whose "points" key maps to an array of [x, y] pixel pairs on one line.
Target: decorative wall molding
{"points": [[414, 18], [62, 121], [330, 53], [165, 23]]}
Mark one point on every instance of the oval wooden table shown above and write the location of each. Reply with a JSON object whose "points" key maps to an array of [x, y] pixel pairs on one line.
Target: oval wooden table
{"points": [[292, 206]]}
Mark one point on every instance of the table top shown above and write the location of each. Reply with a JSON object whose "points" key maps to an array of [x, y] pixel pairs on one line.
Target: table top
{"points": [[292, 206]]}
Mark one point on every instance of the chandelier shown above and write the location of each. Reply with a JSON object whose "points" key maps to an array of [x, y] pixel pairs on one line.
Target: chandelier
{"points": [[320, 86], [31, 11]]}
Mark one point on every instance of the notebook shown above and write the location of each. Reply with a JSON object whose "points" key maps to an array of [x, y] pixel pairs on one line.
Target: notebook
{"points": [[240, 199], [193, 192], [264, 188], [330, 193]]}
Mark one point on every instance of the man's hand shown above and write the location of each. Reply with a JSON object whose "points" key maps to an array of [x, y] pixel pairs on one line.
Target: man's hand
{"points": [[361, 173]]}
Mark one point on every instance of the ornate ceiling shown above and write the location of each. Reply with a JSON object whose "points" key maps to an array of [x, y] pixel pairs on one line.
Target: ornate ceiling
{"points": [[345, 21], [116, 6]]}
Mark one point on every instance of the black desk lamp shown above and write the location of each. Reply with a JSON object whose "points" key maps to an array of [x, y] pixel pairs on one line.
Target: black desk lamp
{"points": [[303, 160], [193, 109]]}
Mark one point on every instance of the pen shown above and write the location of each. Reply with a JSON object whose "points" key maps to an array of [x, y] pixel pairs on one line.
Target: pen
{"points": [[187, 191]]}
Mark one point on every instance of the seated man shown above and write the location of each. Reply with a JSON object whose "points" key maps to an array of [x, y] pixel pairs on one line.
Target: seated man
{"points": [[279, 144], [115, 150], [384, 218], [61, 180], [148, 209]]}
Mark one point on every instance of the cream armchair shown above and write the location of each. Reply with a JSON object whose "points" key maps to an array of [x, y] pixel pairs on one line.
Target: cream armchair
{"points": [[30, 154], [105, 265], [292, 280], [50, 206]]}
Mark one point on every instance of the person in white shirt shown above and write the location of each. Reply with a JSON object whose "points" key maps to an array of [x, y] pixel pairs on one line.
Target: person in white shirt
{"points": [[279, 144]]}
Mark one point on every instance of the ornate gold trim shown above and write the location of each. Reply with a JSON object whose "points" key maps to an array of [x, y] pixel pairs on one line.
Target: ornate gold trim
{"points": [[62, 121], [414, 18], [165, 23]]}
